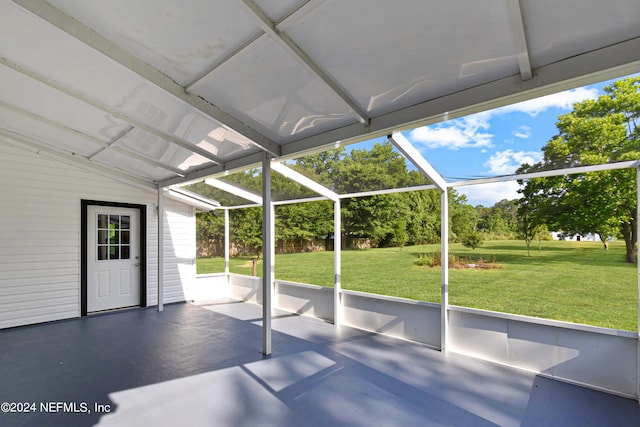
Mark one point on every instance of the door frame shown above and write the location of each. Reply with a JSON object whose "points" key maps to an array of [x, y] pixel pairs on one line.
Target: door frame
{"points": [[84, 205]]}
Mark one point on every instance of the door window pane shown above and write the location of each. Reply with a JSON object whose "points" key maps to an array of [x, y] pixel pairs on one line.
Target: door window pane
{"points": [[112, 242], [102, 221], [114, 252]]}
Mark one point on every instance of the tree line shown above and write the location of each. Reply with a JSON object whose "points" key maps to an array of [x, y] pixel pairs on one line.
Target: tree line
{"points": [[397, 219]]}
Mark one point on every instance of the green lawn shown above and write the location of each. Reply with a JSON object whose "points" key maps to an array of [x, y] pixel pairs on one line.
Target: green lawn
{"points": [[572, 281]]}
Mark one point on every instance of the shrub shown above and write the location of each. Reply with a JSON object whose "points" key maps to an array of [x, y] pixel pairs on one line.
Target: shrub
{"points": [[429, 260], [472, 240]]}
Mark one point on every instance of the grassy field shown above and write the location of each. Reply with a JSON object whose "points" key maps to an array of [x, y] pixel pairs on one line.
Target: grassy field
{"points": [[572, 281]]}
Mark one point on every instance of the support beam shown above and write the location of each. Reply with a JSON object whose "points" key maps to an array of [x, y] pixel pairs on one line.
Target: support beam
{"points": [[237, 191], [267, 251], [160, 249], [193, 199], [269, 27], [544, 174], [519, 38], [638, 272], [113, 51], [409, 151], [227, 243], [444, 256], [287, 172], [232, 166], [337, 264]]}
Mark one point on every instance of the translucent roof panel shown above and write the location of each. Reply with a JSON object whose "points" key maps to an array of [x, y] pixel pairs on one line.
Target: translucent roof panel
{"points": [[46, 104], [131, 165], [583, 30], [39, 132], [182, 42], [277, 96], [365, 54], [160, 150]]}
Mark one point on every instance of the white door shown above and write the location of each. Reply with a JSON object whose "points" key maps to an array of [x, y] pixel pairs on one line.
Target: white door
{"points": [[113, 258]]}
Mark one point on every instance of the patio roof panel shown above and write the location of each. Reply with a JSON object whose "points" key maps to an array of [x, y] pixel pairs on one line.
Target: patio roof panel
{"points": [[277, 11], [363, 54], [265, 87], [133, 165], [44, 134], [559, 30], [34, 99]]}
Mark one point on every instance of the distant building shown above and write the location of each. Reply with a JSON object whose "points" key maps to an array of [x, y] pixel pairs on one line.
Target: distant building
{"points": [[590, 237]]}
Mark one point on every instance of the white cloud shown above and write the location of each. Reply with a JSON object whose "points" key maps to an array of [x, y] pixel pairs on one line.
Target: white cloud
{"points": [[471, 131], [490, 194], [460, 133], [563, 100], [523, 132], [506, 162]]}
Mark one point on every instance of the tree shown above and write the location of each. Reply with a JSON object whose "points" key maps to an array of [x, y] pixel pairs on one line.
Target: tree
{"points": [[472, 240], [499, 221], [209, 228], [595, 132]]}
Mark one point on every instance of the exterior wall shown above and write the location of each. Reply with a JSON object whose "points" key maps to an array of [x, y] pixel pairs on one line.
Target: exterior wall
{"points": [[40, 235]]}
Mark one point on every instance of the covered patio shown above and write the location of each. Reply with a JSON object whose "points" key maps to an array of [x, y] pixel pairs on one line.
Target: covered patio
{"points": [[201, 365], [126, 104]]}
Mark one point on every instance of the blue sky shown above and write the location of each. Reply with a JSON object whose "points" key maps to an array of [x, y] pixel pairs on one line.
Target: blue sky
{"points": [[495, 142]]}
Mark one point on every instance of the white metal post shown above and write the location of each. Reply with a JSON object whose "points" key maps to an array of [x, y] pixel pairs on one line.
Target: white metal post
{"points": [[227, 249], [444, 237], [337, 260], [272, 257], [160, 249], [267, 251], [638, 272]]}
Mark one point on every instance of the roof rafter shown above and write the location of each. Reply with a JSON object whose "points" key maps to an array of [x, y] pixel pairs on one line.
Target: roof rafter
{"points": [[289, 46], [520, 39], [233, 189], [414, 156], [286, 171], [193, 199], [96, 41]]}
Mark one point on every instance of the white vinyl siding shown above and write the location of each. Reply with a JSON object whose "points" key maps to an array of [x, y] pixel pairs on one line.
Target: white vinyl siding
{"points": [[40, 237]]}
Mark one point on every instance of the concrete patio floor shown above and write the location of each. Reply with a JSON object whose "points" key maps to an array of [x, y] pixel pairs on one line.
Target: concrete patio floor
{"points": [[201, 365]]}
